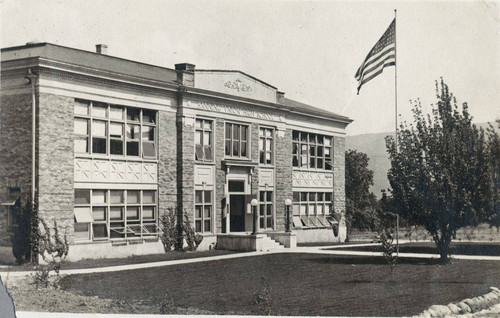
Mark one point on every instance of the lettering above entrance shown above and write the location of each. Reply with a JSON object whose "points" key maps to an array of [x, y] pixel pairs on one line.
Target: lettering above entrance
{"points": [[235, 83], [312, 179], [97, 170], [222, 108]]}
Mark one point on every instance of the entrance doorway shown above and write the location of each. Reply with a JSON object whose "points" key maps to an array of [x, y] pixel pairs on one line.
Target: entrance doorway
{"points": [[237, 213]]}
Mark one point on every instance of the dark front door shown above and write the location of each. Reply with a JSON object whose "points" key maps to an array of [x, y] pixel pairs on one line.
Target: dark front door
{"points": [[237, 213]]}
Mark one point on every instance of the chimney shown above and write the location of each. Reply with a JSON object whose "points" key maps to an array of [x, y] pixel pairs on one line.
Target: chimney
{"points": [[280, 96], [185, 74], [101, 49]]}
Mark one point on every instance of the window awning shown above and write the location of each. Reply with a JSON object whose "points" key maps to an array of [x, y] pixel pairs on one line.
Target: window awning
{"points": [[83, 215], [11, 199], [297, 222], [332, 220]]}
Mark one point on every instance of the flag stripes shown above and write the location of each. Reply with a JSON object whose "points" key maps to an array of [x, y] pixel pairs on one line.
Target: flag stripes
{"points": [[381, 55]]}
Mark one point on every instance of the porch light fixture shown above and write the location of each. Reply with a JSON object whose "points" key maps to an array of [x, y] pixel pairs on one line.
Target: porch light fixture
{"points": [[254, 204], [288, 202]]}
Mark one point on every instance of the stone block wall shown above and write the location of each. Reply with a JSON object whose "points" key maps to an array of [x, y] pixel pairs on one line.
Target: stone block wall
{"points": [[15, 151], [339, 181], [283, 177], [167, 161], [185, 165], [55, 162], [220, 177]]}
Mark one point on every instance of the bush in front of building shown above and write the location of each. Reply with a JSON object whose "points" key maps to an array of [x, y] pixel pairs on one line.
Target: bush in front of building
{"points": [[177, 236], [168, 221], [53, 248], [25, 234]]}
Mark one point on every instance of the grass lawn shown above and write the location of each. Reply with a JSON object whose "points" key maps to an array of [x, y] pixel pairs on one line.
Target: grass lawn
{"points": [[489, 249], [298, 284], [103, 262]]}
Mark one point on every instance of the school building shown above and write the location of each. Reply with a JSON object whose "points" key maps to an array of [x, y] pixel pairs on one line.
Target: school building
{"points": [[106, 145]]}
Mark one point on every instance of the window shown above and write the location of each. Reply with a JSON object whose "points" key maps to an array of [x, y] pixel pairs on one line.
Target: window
{"points": [[266, 146], [311, 209], [203, 140], [114, 130], [115, 214], [203, 211], [236, 138], [311, 151], [266, 209], [12, 205]]}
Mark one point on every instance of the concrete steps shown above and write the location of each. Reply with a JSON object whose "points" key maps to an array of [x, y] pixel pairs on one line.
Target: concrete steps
{"points": [[269, 244]]}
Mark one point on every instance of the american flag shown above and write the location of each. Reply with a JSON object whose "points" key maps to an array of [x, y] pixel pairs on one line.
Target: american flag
{"points": [[381, 55]]}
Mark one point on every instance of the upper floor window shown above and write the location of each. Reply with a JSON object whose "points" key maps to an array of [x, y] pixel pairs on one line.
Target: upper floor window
{"points": [[266, 147], [114, 130], [236, 140], [312, 151], [204, 140]]}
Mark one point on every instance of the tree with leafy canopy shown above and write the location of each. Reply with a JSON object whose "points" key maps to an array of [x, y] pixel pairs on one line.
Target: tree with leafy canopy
{"points": [[442, 170], [360, 212]]}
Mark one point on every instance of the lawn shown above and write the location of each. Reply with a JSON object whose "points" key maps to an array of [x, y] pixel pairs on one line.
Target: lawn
{"points": [[297, 284], [489, 249], [104, 262]]}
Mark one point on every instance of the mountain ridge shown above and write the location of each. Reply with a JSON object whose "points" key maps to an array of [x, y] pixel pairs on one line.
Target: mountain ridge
{"points": [[374, 146]]}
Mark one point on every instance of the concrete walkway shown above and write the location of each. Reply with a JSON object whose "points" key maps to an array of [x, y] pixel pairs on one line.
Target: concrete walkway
{"points": [[326, 250]]}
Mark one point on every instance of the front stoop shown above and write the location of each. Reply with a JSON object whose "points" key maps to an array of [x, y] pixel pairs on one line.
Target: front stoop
{"points": [[256, 242]]}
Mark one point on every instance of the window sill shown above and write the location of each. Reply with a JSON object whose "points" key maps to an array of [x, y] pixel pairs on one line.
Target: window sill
{"points": [[312, 170], [205, 163], [239, 162], [115, 158]]}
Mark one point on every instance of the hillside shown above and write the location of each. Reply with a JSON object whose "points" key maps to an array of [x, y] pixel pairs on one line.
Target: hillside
{"points": [[374, 146]]}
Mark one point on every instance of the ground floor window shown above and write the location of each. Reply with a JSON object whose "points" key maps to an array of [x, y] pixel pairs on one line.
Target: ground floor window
{"points": [[115, 214], [312, 209], [203, 211], [266, 209], [12, 207]]}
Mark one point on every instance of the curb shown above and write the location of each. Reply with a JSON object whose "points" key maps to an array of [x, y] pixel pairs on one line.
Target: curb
{"points": [[466, 306]]}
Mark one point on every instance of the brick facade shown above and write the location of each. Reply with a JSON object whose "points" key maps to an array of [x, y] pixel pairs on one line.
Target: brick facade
{"points": [[283, 176], [15, 152], [167, 161], [176, 167], [55, 161], [339, 177], [220, 177]]}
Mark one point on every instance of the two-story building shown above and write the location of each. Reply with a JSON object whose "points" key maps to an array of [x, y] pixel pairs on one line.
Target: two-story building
{"points": [[106, 145]]}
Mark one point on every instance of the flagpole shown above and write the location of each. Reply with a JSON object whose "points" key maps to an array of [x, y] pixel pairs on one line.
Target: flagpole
{"points": [[396, 110], [395, 79]]}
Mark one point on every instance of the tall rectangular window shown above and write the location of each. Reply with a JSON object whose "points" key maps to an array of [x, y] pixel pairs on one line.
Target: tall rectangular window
{"points": [[266, 146], [311, 151], [203, 211], [114, 130], [266, 209], [204, 140], [236, 137]]}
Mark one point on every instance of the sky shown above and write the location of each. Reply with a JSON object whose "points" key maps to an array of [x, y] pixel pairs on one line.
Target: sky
{"points": [[308, 49]]}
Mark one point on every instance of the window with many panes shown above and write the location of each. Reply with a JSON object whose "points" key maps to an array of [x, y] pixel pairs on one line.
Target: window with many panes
{"points": [[312, 209], [101, 128], [115, 214], [204, 140], [266, 209], [311, 151], [236, 137], [203, 211], [266, 146]]}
